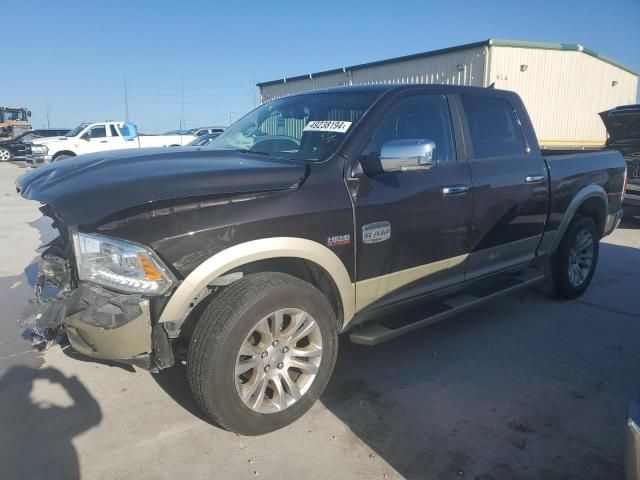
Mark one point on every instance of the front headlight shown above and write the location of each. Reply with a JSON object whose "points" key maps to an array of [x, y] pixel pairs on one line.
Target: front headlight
{"points": [[120, 265], [39, 149]]}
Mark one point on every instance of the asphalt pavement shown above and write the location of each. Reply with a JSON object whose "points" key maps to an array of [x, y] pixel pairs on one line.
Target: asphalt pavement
{"points": [[529, 387]]}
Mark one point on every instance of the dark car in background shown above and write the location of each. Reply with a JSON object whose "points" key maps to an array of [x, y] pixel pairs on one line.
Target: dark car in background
{"points": [[203, 140], [623, 127], [201, 131], [16, 148]]}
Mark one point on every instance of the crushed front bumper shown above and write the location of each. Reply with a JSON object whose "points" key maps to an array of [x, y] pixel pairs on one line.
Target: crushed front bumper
{"points": [[98, 323]]}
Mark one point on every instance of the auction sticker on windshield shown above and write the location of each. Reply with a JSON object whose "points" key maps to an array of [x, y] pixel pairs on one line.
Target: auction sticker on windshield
{"points": [[327, 126]]}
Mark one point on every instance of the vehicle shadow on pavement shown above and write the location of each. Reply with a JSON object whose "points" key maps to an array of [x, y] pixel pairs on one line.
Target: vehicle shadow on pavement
{"points": [[529, 387], [174, 382], [36, 435]]}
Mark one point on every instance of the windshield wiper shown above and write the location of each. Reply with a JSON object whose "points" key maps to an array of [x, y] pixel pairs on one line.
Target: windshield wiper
{"points": [[245, 150]]}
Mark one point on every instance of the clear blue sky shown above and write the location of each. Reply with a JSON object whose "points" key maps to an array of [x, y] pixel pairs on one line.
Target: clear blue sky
{"points": [[75, 55]]}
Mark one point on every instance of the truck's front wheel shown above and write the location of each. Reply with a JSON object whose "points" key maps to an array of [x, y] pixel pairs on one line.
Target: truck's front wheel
{"points": [[262, 353], [575, 261]]}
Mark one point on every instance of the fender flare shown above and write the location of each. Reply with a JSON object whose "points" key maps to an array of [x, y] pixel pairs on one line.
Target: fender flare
{"points": [[64, 152], [252, 251], [590, 191]]}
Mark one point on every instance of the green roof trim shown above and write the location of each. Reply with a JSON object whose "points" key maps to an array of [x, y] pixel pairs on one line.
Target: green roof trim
{"points": [[485, 43], [560, 46], [528, 44]]}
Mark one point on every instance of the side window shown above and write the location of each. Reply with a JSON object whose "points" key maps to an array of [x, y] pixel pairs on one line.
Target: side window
{"points": [[112, 128], [128, 131], [99, 131], [425, 117], [493, 127]]}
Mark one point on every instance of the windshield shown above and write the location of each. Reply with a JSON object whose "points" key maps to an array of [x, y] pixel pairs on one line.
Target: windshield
{"points": [[13, 115], [27, 137], [77, 130], [307, 127]]}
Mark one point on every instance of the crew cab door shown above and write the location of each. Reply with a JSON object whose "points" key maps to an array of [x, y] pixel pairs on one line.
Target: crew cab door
{"points": [[94, 139], [412, 229], [116, 139], [510, 186]]}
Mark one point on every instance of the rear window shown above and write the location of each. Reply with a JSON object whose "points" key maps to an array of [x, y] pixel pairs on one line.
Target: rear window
{"points": [[493, 127]]}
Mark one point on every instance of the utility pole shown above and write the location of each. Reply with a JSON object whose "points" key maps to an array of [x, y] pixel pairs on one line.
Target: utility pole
{"points": [[253, 86], [182, 104], [126, 101], [48, 122]]}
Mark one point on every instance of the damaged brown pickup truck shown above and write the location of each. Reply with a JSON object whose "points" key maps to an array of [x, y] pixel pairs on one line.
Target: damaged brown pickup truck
{"points": [[369, 210]]}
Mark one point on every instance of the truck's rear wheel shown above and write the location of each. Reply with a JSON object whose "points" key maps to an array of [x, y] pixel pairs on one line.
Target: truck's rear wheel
{"points": [[575, 261], [5, 155], [262, 353]]}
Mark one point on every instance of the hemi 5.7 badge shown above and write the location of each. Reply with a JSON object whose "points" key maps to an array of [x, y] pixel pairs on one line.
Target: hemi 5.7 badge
{"points": [[376, 232], [338, 240]]}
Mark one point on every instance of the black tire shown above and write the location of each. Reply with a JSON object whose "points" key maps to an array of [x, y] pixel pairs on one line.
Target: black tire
{"points": [[60, 157], [223, 327], [560, 262]]}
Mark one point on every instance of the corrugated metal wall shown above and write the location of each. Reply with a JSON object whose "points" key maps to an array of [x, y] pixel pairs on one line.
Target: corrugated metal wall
{"points": [[563, 91], [464, 67]]}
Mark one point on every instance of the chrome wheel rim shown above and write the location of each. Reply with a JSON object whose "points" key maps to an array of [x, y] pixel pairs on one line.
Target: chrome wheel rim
{"points": [[581, 258], [278, 361], [5, 155]]}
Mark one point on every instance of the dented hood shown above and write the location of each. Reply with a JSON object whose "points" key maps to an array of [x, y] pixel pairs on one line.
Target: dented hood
{"points": [[89, 188]]}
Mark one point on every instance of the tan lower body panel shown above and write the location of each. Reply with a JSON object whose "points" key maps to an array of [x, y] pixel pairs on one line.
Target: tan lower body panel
{"points": [[128, 341], [501, 257], [371, 290]]}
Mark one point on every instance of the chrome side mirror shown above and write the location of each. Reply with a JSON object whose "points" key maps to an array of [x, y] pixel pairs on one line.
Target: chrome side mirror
{"points": [[408, 154]]}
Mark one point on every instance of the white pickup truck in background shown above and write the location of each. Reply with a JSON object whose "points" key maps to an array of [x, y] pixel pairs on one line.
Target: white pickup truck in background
{"points": [[98, 137]]}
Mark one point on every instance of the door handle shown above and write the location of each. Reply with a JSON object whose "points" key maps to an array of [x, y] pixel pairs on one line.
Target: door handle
{"points": [[103, 141], [533, 178], [454, 190]]}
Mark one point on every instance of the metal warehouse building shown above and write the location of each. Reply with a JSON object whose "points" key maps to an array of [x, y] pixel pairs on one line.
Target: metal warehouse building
{"points": [[563, 86]]}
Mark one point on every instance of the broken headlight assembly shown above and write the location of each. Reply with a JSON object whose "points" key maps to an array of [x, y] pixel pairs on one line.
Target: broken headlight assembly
{"points": [[120, 265]]}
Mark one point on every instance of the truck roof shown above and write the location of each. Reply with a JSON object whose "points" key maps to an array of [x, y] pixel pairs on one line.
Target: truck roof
{"points": [[460, 89]]}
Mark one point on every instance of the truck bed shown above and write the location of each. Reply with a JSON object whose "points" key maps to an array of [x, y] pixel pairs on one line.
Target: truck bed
{"points": [[570, 173]]}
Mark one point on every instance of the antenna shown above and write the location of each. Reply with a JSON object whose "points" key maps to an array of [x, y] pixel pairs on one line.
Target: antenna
{"points": [[126, 101], [182, 104], [254, 89], [48, 122]]}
